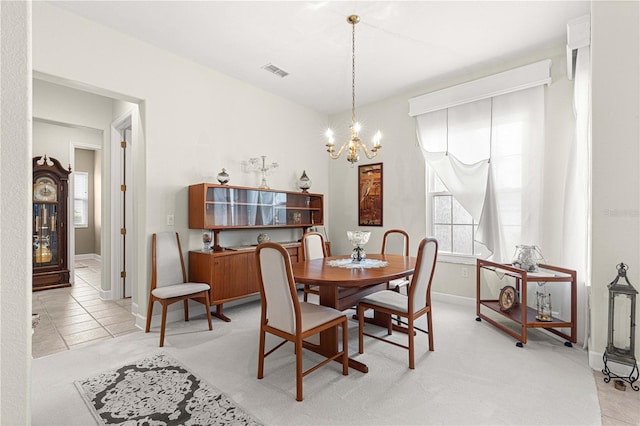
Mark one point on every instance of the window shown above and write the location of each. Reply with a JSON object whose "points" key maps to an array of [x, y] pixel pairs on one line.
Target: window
{"points": [[81, 200], [450, 223], [480, 187], [485, 140]]}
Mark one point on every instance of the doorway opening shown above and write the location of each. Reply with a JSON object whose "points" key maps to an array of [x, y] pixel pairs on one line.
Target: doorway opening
{"points": [[85, 199], [62, 107]]}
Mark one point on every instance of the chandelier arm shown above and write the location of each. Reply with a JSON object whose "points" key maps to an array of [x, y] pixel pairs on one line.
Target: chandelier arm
{"points": [[336, 155], [370, 155]]}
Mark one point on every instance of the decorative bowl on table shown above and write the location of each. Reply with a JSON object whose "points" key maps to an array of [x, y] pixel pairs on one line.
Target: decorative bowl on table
{"points": [[358, 239]]}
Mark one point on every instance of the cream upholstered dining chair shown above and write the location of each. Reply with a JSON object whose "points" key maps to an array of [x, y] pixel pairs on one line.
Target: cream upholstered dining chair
{"points": [[283, 315], [396, 241], [411, 306], [169, 280], [313, 247]]}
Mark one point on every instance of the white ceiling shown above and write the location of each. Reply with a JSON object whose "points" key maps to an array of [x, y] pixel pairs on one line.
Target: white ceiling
{"points": [[399, 44]]}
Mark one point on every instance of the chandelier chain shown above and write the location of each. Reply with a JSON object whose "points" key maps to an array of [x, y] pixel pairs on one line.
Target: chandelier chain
{"points": [[353, 74]]}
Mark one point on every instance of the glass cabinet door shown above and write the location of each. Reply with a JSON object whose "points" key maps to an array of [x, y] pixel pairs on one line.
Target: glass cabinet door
{"points": [[45, 234], [213, 206]]}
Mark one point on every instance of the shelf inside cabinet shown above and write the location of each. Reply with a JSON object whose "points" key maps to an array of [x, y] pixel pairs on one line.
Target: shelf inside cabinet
{"points": [[515, 314], [218, 207]]}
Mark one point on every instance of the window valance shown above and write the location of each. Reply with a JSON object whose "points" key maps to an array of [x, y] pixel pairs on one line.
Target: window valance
{"points": [[524, 77]]}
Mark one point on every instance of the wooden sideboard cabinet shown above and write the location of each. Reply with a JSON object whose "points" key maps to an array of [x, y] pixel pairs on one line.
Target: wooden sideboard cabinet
{"points": [[232, 274]]}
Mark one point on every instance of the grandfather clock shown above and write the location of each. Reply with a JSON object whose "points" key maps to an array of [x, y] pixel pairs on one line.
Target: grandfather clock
{"points": [[50, 227]]}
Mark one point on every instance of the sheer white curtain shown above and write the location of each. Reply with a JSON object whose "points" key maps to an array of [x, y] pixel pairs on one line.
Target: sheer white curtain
{"points": [[575, 232], [489, 155]]}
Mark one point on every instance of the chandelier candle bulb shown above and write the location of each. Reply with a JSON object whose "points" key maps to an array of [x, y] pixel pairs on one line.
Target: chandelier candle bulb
{"points": [[376, 139]]}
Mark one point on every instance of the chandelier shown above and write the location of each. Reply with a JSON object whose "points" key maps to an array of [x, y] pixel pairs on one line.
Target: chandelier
{"points": [[354, 144]]}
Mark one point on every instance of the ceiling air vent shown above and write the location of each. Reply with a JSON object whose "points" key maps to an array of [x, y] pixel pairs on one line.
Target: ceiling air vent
{"points": [[275, 70]]}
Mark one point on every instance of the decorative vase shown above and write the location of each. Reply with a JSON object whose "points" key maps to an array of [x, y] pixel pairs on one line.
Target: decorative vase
{"points": [[206, 241], [223, 177], [304, 183], [263, 238], [358, 239], [527, 257]]}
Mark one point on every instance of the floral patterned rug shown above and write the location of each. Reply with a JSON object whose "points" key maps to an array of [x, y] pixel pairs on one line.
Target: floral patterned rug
{"points": [[158, 391]]}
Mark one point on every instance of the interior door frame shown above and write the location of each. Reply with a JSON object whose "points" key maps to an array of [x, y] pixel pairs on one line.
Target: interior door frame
{"points": [[119, 126]]}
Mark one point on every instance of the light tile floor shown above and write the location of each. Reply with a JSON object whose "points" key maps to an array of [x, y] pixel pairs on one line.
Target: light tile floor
{"points": [[76, 315]]}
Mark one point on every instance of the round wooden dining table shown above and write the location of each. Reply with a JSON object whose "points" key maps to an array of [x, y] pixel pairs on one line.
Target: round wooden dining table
{"points": [[342, 287]]}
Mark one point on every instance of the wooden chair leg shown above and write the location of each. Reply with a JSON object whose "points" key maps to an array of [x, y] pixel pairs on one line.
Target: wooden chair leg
{"points": [[149, 314], [164, 323], [208, 308], [345, 348], [186, 309], [299, 369], [360, 329], [305, 289], [430, 330], [411, 343], [261, 354]]}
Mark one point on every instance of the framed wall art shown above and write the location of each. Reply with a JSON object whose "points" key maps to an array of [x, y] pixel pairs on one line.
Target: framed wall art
{"points": [[370, 195]]}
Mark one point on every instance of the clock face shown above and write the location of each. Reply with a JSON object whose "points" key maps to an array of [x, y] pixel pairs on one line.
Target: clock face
{"points": [[508, 298], [45, 189]]}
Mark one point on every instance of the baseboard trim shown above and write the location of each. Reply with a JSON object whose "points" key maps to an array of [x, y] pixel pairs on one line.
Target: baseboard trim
{"points": [[88, 256], [453, 299]]}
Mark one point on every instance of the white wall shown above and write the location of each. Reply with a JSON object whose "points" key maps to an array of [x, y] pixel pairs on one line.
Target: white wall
{"points": [[615, 157], [77, 108], [195, 121], [54, 139], [15, 213]]}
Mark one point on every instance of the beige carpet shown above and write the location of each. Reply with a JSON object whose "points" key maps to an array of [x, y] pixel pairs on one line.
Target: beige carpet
{"points": [[475, 376]]}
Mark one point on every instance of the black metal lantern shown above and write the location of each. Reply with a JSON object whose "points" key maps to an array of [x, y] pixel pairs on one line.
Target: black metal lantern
{"points": [[621, 349]]}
